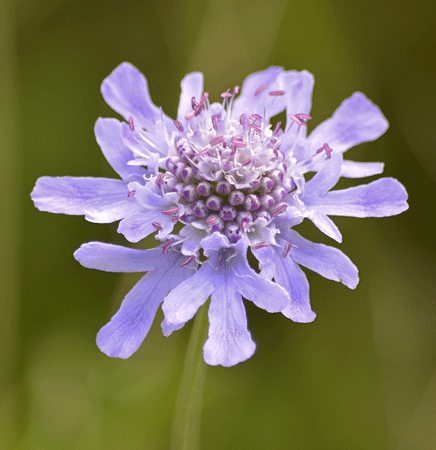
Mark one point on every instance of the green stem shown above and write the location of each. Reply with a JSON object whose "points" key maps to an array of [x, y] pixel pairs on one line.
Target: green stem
{"points": [[186, 425]]}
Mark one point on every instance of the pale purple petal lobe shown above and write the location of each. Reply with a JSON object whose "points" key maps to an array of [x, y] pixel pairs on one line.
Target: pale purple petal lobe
{"points": [[102, 200], [115, 258], [381, 198], [108, 133], [229, 341], [356, 120], [126, 91]]}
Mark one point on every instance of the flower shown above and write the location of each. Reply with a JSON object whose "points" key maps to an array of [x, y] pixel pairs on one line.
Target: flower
{"points": [[216, 183]]}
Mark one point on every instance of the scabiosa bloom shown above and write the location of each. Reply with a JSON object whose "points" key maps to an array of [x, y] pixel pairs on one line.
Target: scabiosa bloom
{"points": [[219, 182]]}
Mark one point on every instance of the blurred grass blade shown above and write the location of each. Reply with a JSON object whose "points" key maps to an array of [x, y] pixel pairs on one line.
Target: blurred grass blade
{"points": [[187, 417]]}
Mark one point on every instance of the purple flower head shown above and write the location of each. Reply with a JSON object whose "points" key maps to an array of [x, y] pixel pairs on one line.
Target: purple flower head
{"points": [[232, 181]]}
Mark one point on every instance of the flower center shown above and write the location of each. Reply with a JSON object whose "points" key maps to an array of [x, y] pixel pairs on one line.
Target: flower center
{"points": [[226, 172]]}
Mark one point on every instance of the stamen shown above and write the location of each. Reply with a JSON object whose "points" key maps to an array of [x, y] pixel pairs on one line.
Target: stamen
{"points": [[200, 105], [175, 219], [277, 128], [236, 90], [255, 128], [287, 249], [170, 211], [132, 193], [204, 151], [215, 122], [279, 210], [194, 103], [276, 93], [255, 117], [260, 245], [178, 125], [327, 150], [131, 124], [211, 220], [159, 179], [242, 119], [216, 141], [296, 120], [244, 223], [167, 246], [157, 226], [184, 263], [303, 116], [259, 90], [226, 95], [190, 115], [246, 162]]}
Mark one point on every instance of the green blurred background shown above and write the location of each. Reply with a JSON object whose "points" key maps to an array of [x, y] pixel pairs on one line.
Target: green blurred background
{"points": [[362, 376]]}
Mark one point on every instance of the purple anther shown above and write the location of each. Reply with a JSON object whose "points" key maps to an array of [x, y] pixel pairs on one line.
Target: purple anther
{"points": [[303, 116], [212, 220], [190, 115], [232, 232], [170, 211], [188, 215], [238, 144], [277, 128], [187, 261], [217, 224], [246, 162], [201, 104], [236, 90], [244, 223], [244, 217], [255, 128], [159, 179], [200, 209], [277, 176], [267, 201], [251, 202], [255, 117], [178, 189], [167, 246], [179, 126], [131, 124], [217, 140], [296, 119], [279, 210], [279, 194], [259, 90], [327, 150], [223, 187], [188, 175], [131, 193], [260, 245], [171, 162], [228, 212], [276, 93], [262, 214], [287, 249], [194, 103], [204, 189], [175, 218], [203, 152], [242, 119], [226, 95], [236, 198], [190, 193], [178, 169], [215, 122], [214, 202], [266, 185], [157, 226]]}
